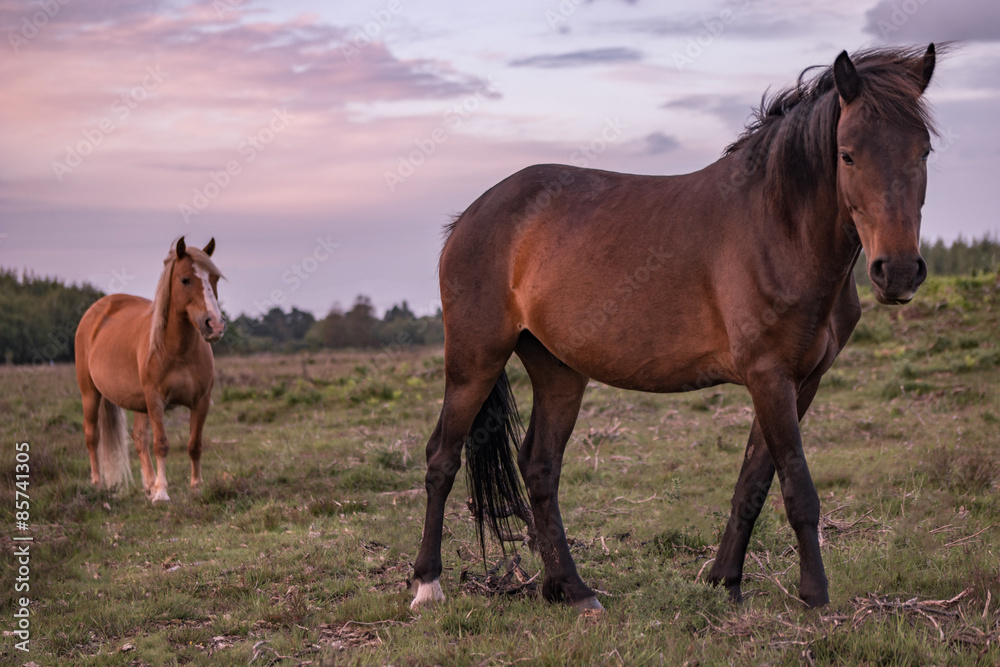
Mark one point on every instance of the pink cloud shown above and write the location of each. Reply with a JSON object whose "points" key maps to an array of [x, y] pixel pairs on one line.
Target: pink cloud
{"points": [[138, 109]]}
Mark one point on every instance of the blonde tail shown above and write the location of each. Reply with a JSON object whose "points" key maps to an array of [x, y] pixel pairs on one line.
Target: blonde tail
{"points": [[112, 445]]}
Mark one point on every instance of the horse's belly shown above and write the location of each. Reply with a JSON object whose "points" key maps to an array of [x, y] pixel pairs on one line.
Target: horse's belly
{"points": [[639, 358], [656, 373], [115, 373], [120, 390]]}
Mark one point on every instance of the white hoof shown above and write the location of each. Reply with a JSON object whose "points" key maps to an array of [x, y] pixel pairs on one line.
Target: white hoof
{"points": [[159, 496], [427, 594]]}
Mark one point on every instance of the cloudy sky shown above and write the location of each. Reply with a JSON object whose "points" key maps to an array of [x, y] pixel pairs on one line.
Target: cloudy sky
{"points": [[325, 144]]}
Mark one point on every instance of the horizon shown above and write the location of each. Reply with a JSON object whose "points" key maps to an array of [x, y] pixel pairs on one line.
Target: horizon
{"points": [[117, 278], [325, 148]]}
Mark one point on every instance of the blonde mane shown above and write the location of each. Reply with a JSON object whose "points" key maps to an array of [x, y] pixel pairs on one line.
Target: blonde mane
{"points": [[161, 300]]}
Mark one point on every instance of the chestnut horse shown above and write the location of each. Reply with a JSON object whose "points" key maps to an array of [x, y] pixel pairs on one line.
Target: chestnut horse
{"points": [[148, 356], [740, 273]]}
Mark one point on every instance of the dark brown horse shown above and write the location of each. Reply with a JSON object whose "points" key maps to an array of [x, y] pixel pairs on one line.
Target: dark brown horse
{"points": [[740, 272], [148, 356]]}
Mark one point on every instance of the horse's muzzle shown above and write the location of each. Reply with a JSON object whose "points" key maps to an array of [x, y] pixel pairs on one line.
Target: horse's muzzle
{"points": [[212, 329], [895, 280]]}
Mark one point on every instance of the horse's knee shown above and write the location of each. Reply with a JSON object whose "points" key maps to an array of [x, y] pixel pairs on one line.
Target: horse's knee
{"points": [[161, 448], [802, 512]]}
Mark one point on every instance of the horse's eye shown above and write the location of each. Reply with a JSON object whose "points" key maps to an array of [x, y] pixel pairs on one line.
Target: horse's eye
{"points": [[927, 154], [845, 158], [185, 281]]}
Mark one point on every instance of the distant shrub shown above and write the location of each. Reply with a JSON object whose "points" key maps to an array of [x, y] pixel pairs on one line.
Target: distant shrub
{"points": [[963, 470], [232, 393]]}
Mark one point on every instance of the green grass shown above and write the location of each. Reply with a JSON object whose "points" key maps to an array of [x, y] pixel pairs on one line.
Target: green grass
{"points": [[299, 545]]}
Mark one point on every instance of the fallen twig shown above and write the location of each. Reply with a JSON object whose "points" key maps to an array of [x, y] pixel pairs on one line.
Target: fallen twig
{"points": [[962, 540]]}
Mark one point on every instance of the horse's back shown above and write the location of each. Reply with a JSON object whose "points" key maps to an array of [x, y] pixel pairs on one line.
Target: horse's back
{"points": [[113, 316], [616, 219]]}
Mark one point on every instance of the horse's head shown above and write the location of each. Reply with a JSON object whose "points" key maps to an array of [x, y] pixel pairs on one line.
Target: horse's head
{"points": [[883, 142], [194, 289]]}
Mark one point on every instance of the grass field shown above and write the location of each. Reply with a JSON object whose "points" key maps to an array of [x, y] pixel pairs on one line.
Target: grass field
{"points": [[298, 548]]}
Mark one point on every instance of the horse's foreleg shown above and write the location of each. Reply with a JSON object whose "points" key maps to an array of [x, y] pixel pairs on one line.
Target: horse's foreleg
{"points": [[154, 404], [776, 404], [748, 500], [198, 415], [749, 497], [140, 436]]}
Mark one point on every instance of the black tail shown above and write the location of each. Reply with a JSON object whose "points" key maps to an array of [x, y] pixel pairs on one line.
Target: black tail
{"points": [[491, 471]]}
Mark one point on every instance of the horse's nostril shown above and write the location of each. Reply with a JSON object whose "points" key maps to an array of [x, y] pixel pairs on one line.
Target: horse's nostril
{"points": [[921, 273], [877, 271]]}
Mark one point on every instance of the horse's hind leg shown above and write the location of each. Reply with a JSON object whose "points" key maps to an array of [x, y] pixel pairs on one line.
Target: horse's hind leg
{"points": [[91, 430], [140, 436], [469, 377], [557, 393]]}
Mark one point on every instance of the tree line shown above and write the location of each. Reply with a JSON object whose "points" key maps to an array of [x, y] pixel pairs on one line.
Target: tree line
{"points": [[39, 316], [359, 327], [959, 258]]}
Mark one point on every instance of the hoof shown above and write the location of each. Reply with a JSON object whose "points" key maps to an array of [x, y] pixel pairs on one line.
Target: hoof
{"points": [[587, 605], [159, 497], [427, 594], [815, 601]]}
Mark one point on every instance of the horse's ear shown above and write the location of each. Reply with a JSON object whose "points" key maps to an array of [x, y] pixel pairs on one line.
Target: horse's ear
{"points": [[925, 68], [846, 77], [180, 248], [210, 248]]}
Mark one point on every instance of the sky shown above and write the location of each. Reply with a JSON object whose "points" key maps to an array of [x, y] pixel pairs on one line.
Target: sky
{"points": [[324, 145]]}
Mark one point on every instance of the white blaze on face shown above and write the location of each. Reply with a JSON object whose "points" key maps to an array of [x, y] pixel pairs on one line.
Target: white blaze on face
{"points": [[211, 303]]}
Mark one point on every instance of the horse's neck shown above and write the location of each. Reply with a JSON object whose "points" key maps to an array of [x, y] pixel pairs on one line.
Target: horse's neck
{"points": [[821, 229], [179, 339]]}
